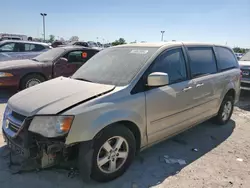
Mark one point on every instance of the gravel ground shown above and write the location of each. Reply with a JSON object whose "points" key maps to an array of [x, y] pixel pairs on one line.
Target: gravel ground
{"points": [[215, 156]]}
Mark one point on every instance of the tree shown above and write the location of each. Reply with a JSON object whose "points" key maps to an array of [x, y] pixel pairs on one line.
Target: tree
{"points": [[74, 38], [51, 38], [239, 50], [62, 39], [119, 42]]}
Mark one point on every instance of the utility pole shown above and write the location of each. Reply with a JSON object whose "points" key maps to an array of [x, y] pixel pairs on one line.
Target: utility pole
{"points": [[43, 15], [162, 33]]}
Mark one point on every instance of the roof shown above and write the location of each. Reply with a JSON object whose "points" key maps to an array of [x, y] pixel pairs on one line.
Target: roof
{"points": [[25, 41], [76, 47], [161, 44]]}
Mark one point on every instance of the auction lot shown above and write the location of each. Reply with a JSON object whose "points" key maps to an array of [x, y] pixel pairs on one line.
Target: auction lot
{"points": [[210, 155]]}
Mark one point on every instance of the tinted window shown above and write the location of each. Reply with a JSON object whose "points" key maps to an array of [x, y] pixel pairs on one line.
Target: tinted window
{"points": [[38, 47], [29, 47], [202, 61], [77, 57], [226, 59], [9, 47], [173, 63], [33, 47]]}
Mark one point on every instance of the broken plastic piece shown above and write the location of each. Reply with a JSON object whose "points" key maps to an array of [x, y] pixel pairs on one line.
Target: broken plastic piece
{"points": [[239, 159], [173, 161], [195, 149]]}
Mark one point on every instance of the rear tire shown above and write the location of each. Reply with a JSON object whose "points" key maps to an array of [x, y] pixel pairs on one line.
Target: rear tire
{"points": [[225, 111], [108, 165], [31, 80]]}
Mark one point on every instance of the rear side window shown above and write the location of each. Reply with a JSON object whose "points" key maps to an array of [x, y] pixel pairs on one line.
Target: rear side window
{"points": [[202, 61], [29, 47], [38, 48], [226, 59]]}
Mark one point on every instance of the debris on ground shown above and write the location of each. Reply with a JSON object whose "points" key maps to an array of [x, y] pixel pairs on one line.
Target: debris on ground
{"points": [[195, 150], [239, 159], [73, 173], [173, 161]]}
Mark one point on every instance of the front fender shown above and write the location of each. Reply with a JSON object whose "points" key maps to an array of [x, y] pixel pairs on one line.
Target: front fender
{"points": [[86, 130]]}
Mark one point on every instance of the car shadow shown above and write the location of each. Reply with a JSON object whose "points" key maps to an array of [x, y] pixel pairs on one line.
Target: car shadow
{"points": [[244, 102], [5, 95], [149, 168]]}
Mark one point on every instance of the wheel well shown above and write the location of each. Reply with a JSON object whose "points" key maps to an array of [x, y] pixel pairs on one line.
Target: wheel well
{"points": [[231, 93], [135, 130], [31, 74], [131, 126]]}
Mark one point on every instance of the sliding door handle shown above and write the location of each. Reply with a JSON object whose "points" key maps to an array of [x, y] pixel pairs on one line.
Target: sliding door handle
{"points": [[187, 88]]}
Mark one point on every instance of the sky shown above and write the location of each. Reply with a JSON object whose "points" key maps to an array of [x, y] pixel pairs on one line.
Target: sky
{"points": [[214, 21]]}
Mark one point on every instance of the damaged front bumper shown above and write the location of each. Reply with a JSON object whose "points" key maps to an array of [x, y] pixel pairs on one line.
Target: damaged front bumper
{"points": [[38, 152], [46, 152], [42, 151]]}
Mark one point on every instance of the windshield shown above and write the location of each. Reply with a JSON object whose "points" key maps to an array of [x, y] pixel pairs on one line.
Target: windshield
{"points": [[115, 66], [49, 55], [246, 57]]}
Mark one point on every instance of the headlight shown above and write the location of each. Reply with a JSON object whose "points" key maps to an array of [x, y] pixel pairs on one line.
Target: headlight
{"points": [[51, 126], [7, 112], [5, 74]]}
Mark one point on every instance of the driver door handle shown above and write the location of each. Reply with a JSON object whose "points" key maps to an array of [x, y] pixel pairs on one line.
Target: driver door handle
{"points": [[199, 85], [187, 88]]}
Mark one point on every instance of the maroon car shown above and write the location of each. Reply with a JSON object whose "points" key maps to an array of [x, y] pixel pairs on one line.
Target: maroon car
{"points": [[62, 61]]}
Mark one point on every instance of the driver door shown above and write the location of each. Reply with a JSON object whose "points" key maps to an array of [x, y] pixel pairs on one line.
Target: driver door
{"points": [[168, 107]]}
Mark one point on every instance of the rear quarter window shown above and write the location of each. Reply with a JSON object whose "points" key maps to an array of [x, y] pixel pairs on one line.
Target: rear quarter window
{"points": [[225, 58]]}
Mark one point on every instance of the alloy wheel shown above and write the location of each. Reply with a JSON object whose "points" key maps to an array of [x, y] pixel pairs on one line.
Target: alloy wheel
{"points": [[112, 154], [226, 110]]}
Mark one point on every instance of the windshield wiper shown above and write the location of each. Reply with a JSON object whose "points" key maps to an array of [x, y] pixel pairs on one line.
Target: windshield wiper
{"points": [[82, 79]]}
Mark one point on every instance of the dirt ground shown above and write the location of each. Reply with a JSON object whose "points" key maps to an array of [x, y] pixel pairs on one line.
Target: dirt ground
{"points": [[215, 156]]}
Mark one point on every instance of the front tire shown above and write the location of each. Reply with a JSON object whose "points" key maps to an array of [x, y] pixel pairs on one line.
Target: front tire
{"points": [[31, 80], [225, 111], [114, 151]]}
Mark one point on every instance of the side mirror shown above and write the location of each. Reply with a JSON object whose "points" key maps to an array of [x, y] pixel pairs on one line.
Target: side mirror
{"points": [[158, 79], [62, 60]]}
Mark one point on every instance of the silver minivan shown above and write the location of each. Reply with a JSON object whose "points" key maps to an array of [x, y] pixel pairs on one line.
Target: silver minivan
{"points": [[123, 100]]}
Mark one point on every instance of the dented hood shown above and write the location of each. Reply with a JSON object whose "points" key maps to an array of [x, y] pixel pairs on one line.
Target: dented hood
{"points": [[56, 95]]}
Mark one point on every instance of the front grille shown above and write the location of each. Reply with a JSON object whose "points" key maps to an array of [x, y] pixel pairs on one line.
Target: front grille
{"points": [[18, 116], [13, 127], [245, 84], [14, 122]]}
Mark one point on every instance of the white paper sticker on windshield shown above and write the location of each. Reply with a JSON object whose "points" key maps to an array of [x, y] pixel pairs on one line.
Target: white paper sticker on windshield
{"points": [[139, 51]]}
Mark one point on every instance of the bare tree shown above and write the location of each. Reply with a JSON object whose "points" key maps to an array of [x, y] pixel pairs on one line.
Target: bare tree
{"points": [[74, 38]]}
